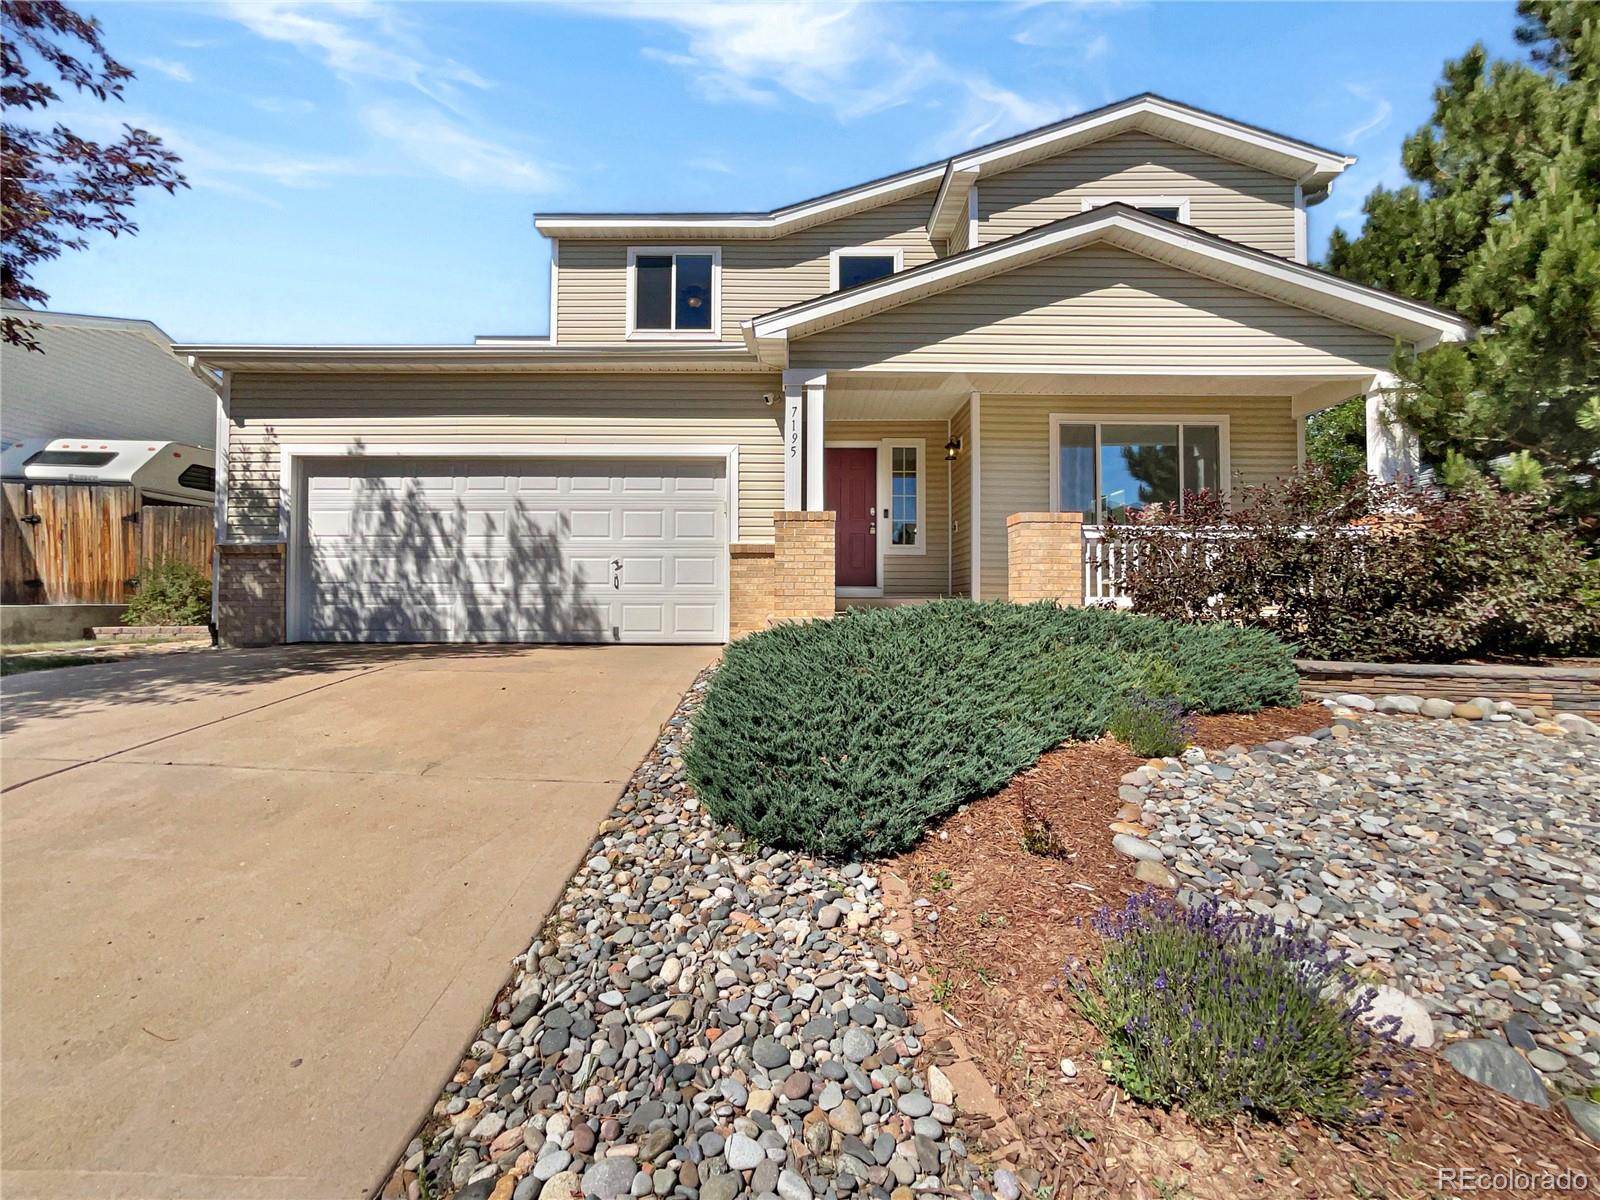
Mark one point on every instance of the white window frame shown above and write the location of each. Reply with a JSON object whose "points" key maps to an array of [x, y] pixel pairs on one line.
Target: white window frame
{"points": [[886, 451], [1181, 203], [897, 253], [1057, 420], [675, 335]]}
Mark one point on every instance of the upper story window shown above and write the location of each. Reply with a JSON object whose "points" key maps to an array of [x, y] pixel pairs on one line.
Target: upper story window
{"points": [[674, 291], [852, 268], [1172, 208]]}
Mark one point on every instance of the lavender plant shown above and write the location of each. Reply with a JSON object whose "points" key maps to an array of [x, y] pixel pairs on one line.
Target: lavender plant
{"points": [[1221, 1013], [1152, 726]]}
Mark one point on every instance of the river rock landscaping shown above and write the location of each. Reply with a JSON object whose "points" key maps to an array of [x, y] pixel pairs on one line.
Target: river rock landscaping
{"points": [[1014, 879], [699, 1020], [1455, 860]]}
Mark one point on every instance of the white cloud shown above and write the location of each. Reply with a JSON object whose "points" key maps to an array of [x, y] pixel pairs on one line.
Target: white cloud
{"points": [[1381, 111], [358, 41], [292, 105], [853, 58], [713, 164], [437, 144], [384, 60], [990, 111], [171, 68]]}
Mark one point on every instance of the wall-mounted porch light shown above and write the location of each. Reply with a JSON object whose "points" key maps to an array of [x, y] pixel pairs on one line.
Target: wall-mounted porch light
{"points": [[951, 449]]}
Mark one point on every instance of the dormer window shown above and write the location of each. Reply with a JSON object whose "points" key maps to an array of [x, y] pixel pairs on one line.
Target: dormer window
{"points": [[1170, 208], [852, 268], [673, 291]]}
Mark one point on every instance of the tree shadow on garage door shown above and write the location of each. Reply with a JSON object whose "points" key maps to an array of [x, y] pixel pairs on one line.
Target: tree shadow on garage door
{"points": [[413, 560]]}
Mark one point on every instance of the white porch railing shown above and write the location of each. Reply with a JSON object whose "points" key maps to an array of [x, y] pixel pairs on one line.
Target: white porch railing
{"points": [[1105, 559], [1102, 567]]}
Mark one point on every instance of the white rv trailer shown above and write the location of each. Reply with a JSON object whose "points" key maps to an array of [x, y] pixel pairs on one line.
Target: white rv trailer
{"points": [[161, 472]]}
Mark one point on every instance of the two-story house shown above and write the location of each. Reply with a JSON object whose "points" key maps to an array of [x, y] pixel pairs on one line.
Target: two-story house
{"points": [[1100, 314]]}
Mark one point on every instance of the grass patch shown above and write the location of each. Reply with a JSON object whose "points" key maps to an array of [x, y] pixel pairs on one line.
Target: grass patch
{"points": [[21, 664], [849, 737]]}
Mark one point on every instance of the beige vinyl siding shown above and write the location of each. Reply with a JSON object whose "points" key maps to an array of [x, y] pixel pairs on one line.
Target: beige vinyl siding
{"points": [[960, 236], [1244, 204], [1101, 308], [426, 409], [961, 505], [1016, 451], [757, 275], [926, 574]]}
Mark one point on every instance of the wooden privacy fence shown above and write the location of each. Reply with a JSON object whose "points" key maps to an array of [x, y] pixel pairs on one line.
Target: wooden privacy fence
{"points": [[85, 544]]}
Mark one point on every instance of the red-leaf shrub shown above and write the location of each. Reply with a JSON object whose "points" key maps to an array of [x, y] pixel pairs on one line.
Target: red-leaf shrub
{"points": [[1370, 571]]}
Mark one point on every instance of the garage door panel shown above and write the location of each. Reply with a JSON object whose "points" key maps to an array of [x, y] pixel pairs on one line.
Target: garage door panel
{"points": [[591, 523], [643, 523], [694, 525], [480, 550], [694, 571]]}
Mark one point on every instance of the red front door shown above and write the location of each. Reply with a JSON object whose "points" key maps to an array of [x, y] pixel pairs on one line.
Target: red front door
{"points": [[850, 489]]}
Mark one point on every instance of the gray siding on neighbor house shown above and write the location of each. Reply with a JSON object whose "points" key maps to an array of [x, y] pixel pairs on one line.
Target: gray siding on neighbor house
{"points": [[499, 410], [1244, 204], [1016, 450], [758, 275], [1096, 309]]}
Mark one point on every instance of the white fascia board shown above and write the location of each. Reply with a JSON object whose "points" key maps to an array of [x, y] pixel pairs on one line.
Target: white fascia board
{"points": [[1132, 230], [950, 204], [770, 224], [510, 354], [1317, 163]]}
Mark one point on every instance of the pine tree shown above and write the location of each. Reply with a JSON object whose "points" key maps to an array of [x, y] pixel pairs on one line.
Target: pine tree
{"points": [[1502, 224]]}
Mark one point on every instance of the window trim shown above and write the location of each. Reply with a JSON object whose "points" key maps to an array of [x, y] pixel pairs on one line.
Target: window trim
{"points": [[1181, 203], [1098, 419], [632, 333], [886, 449], [898, 253]]}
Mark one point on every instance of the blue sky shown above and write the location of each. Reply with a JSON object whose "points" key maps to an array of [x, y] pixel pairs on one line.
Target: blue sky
{"points": [[368, 172]]}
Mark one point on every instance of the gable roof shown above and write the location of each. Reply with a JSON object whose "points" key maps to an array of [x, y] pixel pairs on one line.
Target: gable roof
{"points": [[1182, 246], [1314, 167]]}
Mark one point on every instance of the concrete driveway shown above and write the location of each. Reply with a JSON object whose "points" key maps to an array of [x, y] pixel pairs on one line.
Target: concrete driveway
{"points": [[256, 902]]}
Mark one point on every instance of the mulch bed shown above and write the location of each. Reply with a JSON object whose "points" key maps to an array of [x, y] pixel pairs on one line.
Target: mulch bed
{"points": [[1010, 917]]}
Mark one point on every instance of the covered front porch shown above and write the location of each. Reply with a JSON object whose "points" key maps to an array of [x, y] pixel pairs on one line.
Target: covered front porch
{"points": [[924, 469]]}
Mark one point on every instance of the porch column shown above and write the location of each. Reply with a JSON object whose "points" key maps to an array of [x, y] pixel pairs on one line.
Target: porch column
{"points": [[815, 394], [1391, 448], [792, 448]]}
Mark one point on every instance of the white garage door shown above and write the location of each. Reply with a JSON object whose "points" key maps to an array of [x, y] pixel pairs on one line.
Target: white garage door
{"points": [[529, 550]]}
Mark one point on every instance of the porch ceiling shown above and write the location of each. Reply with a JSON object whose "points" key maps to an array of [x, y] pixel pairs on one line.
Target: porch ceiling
{"points": [[884, 396]]}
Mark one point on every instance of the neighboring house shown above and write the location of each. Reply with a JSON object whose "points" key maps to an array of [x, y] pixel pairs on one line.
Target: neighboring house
{"points": [[107, 378], [1088, 317]]}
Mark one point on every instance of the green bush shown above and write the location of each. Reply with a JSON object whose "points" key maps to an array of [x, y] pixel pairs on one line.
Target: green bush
{"points": [[1222, 1014], [1358, 569], [170, 594], [849, 737]]}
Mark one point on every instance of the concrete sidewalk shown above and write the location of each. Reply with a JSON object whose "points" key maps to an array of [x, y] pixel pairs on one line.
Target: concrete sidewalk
{"points": [[256, 901]]}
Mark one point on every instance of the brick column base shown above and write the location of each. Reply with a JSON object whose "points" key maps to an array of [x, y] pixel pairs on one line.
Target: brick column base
{"points": [[750, 571], [802, 578], [1044, 558], [250, 593]]}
